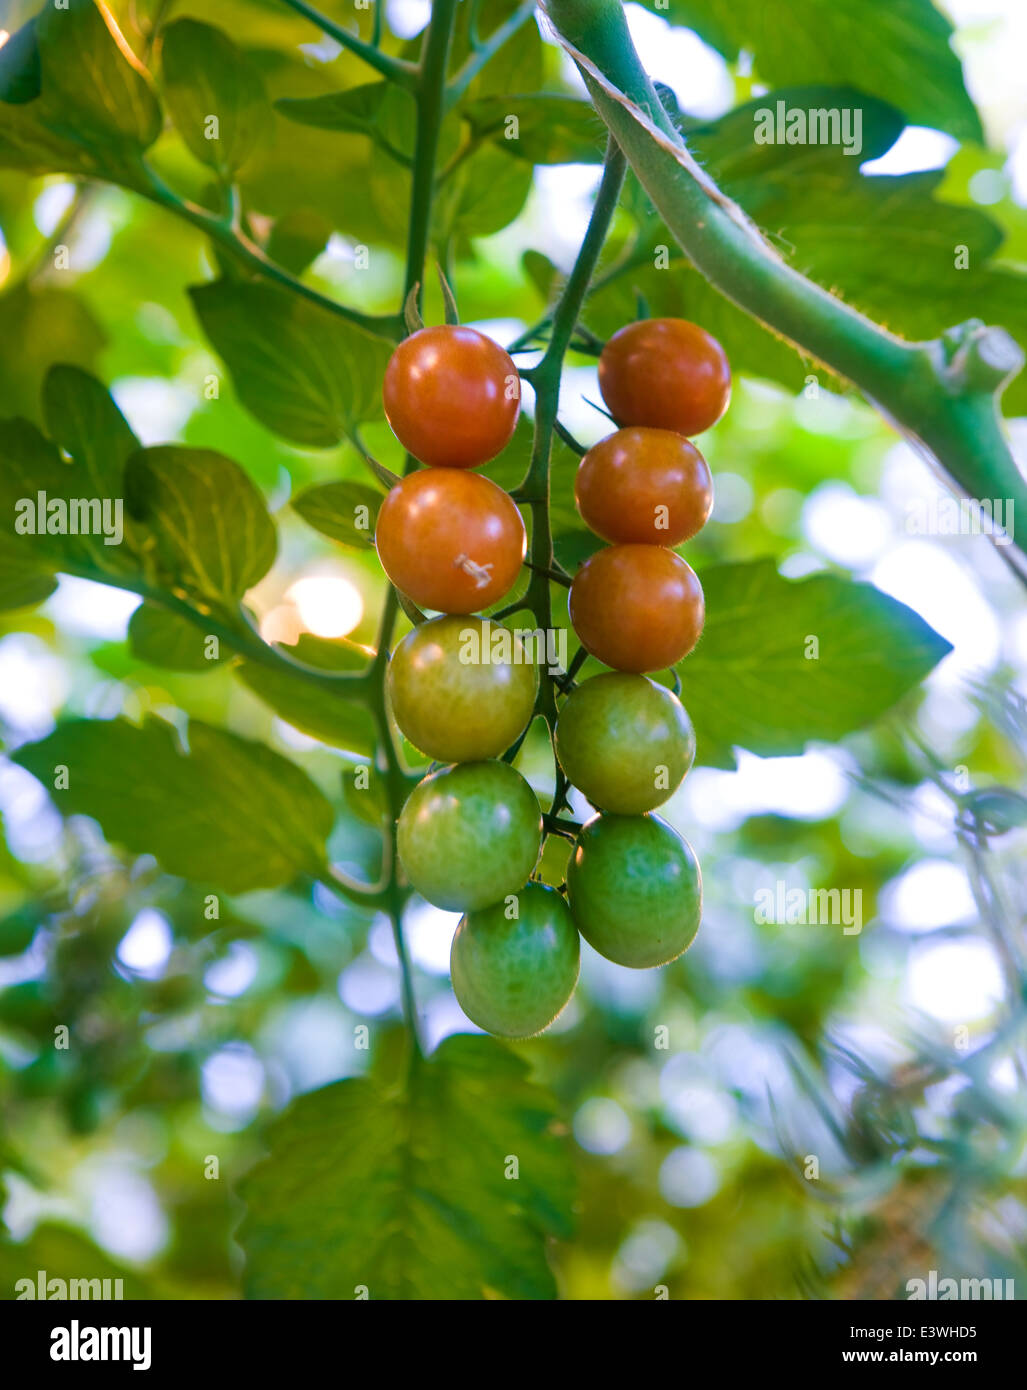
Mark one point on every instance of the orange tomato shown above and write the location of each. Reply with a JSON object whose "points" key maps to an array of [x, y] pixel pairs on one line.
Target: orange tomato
{"points": [[451, 396], [644, 486], [637, 607], [450, 540], [668, 374]]}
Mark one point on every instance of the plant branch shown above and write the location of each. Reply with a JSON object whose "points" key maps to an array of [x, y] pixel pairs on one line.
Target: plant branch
{"points": [[483, 51], [430, 96], [941, 394], [545, 378], [395, 69], [239, 245]]}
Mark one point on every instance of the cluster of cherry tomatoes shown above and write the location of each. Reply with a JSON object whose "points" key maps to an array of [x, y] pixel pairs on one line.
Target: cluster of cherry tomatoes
{"points": [[470, 834]]}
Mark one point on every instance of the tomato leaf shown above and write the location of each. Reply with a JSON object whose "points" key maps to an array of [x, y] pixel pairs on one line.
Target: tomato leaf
{"points": [[346, 512], [900, 51], [214, 94], [53, 512], [47, 326], [171, 641], [75, 99], [405, 1188], [213, 532], [549, 129], [304, 373], [783, 662], [336, 717], [227, 812]]}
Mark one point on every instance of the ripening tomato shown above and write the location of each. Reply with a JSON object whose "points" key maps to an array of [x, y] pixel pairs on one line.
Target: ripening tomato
{"points": [[461, 689], [470, 835], [649, 487], [635, 890], [624, 742], [637, 607], [450, 540], [514, 965], [451, 396], [668, 374]]}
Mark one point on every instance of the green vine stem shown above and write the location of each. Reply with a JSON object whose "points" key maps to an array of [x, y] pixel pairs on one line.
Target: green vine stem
{"points": [[235, 241], [545, 380], [941, 394], [484, 51], [392, 68], [430, 98]]}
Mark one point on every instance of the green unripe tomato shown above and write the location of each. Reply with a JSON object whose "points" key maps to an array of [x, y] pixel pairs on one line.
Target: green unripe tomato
{"points": [[624, 742], [635, 890], [512, 975], [470, 835], [461, 688]]}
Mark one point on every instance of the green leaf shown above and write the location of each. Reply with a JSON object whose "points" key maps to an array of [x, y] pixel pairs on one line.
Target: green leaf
{"points": [[95, 111], [90, 69], [369, 803], [303, 372], [729, 149], [22, 582], [40, 326], [347, 512], [385, 113], [298, 238], [784, 662], [167, 639], [900, 51], [541, 271], [227, 812], [401, 1186], [21, 74], [518, 66], [213, 532], [336, 717], [52, 511], [357, 109], [92, 432], [82, 418], [205, 76], [551, 129], [64, 1254], [484, 194]]}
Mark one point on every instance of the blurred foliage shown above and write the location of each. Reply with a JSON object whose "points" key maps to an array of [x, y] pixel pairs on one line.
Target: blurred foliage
{"points": [[688, 1102]]}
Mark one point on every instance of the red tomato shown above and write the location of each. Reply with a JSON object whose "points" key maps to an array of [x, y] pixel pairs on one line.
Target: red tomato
{"points": [[637, 607], [450, 540], [451, 396], [665, 373], [650, 487]]}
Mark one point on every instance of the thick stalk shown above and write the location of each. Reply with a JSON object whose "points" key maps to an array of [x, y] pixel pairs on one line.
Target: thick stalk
{"points": [[941, 394]]}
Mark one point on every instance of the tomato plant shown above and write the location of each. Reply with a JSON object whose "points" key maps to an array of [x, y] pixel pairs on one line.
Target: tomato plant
{"points": [[359, 570]]}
